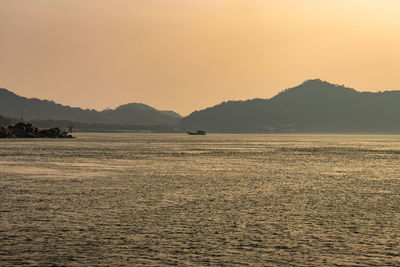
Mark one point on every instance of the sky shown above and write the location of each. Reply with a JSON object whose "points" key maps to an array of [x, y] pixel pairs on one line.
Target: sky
{"points": [[186, 55]]}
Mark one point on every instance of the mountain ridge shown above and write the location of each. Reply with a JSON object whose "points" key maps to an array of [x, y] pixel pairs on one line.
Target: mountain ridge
{"points": [[313, 106], [13, 105]]}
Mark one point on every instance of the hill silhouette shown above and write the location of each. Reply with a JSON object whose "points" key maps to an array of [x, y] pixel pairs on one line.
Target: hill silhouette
{"points": [[7, 121], [313, 106], [12, 105]]}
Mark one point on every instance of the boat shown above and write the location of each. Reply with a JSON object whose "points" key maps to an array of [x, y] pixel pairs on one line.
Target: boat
{"points": [[197, 133]]}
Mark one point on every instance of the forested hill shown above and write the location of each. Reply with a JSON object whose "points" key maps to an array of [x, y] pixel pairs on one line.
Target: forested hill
{"points": [[314, 106], [12, 105]]}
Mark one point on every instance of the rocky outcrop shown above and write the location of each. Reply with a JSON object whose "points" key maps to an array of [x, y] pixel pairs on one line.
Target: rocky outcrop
{"points": [[26, 130]]}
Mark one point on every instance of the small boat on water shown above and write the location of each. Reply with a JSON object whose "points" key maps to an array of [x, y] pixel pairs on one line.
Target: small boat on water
{"points": [[197, 133]]}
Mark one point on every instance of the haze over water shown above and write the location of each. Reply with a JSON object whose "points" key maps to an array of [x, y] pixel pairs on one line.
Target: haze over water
{"points": [[160, 199]]}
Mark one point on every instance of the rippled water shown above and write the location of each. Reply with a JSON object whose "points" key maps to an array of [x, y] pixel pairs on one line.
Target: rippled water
{"points": [[171, 199]]}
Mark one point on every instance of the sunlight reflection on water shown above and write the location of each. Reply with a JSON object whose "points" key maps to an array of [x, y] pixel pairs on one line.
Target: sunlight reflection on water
{"points": [[158, 199]]}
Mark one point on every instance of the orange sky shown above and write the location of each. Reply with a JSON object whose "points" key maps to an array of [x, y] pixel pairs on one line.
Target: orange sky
{"points": [[186, 55]]}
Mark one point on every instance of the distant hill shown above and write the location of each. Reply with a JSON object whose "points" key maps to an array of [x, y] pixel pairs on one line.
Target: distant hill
{"points": [[314, 106], [92, 127], [6, 121], [12, 105]]}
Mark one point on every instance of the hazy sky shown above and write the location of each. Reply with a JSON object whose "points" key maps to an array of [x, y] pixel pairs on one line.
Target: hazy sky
{"points": [[186, 55]]}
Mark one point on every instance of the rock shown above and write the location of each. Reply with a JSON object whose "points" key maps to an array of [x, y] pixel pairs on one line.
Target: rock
{"points": [[26, 130], [4, 132]]}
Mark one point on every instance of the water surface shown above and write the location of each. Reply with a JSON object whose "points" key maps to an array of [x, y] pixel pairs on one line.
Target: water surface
{"points": [[174, 199]]}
